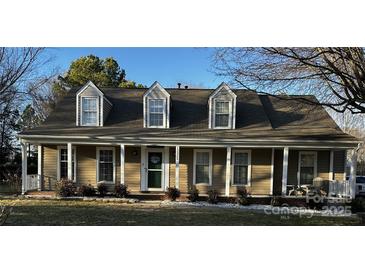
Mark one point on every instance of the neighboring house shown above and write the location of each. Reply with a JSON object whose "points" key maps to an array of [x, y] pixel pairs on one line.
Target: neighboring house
{"points": [[222, 139]]}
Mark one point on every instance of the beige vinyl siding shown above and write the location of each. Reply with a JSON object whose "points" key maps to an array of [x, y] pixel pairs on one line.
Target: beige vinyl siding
{"points": [[172, 165], [186, 169], [219, 170], [86, 165], [339, 164], [261, 171], [49, 165], [132, 168]]}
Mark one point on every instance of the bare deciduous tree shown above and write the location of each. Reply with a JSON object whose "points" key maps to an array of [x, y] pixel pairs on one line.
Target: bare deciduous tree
{"points": [[335, 75]]}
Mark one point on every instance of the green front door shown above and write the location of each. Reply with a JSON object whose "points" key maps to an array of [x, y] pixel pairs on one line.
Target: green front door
{"points": [[154, 169]]}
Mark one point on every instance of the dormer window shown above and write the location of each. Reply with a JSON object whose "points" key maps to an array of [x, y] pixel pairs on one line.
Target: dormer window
{"points": [[222, 113], [92, 107], [156, 112], [89, 112], [222, 108], [156, 105]]}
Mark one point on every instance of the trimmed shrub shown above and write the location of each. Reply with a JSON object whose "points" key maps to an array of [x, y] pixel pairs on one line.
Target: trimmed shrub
{"points": [[102, 189], [65, 188], [87, 190], [121, 191], [242, 198], [172, 193], [358, 205], [193, 194], [213, 196]]}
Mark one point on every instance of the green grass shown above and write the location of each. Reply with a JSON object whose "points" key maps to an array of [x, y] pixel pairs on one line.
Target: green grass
{"points": [[53, 212]]}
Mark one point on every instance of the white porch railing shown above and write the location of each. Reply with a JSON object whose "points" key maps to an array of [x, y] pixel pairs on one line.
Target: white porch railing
{"points": [[33, 182], [339, 188]]}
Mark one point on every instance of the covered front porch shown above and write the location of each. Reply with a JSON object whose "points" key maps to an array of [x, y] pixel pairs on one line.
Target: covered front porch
{"points": [[150, 168]]}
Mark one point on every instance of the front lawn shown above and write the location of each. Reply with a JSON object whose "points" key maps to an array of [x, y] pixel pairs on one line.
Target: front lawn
{"points": [[60, 212]]}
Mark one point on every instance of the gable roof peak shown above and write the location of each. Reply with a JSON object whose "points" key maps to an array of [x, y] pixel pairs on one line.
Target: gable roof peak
{"points": [[89, 84], [157, 85], [222, 86]]}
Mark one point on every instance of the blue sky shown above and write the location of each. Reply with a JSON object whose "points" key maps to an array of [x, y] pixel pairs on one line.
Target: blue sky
{"points": [[190, 66]]}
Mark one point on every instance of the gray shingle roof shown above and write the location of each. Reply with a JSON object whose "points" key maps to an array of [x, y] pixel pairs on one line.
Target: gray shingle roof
{"points": [[257, 116]]}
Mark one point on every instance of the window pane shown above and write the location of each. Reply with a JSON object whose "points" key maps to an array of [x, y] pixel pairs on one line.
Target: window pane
{"points": [[240, 175], [89, 104], [156, 119], [106, 156], [307, 160], [202, 158], [221, 120], [106, 165], [202, 174], [222, 107], [241, 158], [306, 175], [106, 172], [156, 105], [63, 169]]}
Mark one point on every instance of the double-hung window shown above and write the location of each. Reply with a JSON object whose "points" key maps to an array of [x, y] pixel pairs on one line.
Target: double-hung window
{"points": [[203, 167], [222, 114], [241, 167], [156, 112], [63, 165], [89, 111], [307, 167], [106, 164]]}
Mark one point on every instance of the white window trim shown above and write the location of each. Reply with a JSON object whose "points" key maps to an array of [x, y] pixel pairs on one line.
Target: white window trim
{"points": [[97, 164], [163, 116], [210, 151], [299, 164], [248, 167], [59, 162], [166, 97], [211, 105], [100, 118], [97, 111], [230, 114]]}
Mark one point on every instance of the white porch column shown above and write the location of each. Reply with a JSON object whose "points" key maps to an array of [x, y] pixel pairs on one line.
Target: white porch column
{"points": [[122, 163], [69, 161], [353, 173], [330, 173], [177, 166], [284, 181], [143, 168], [228, 170], [167, 167], [24, 167], [40, 168], [272, 171]]}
